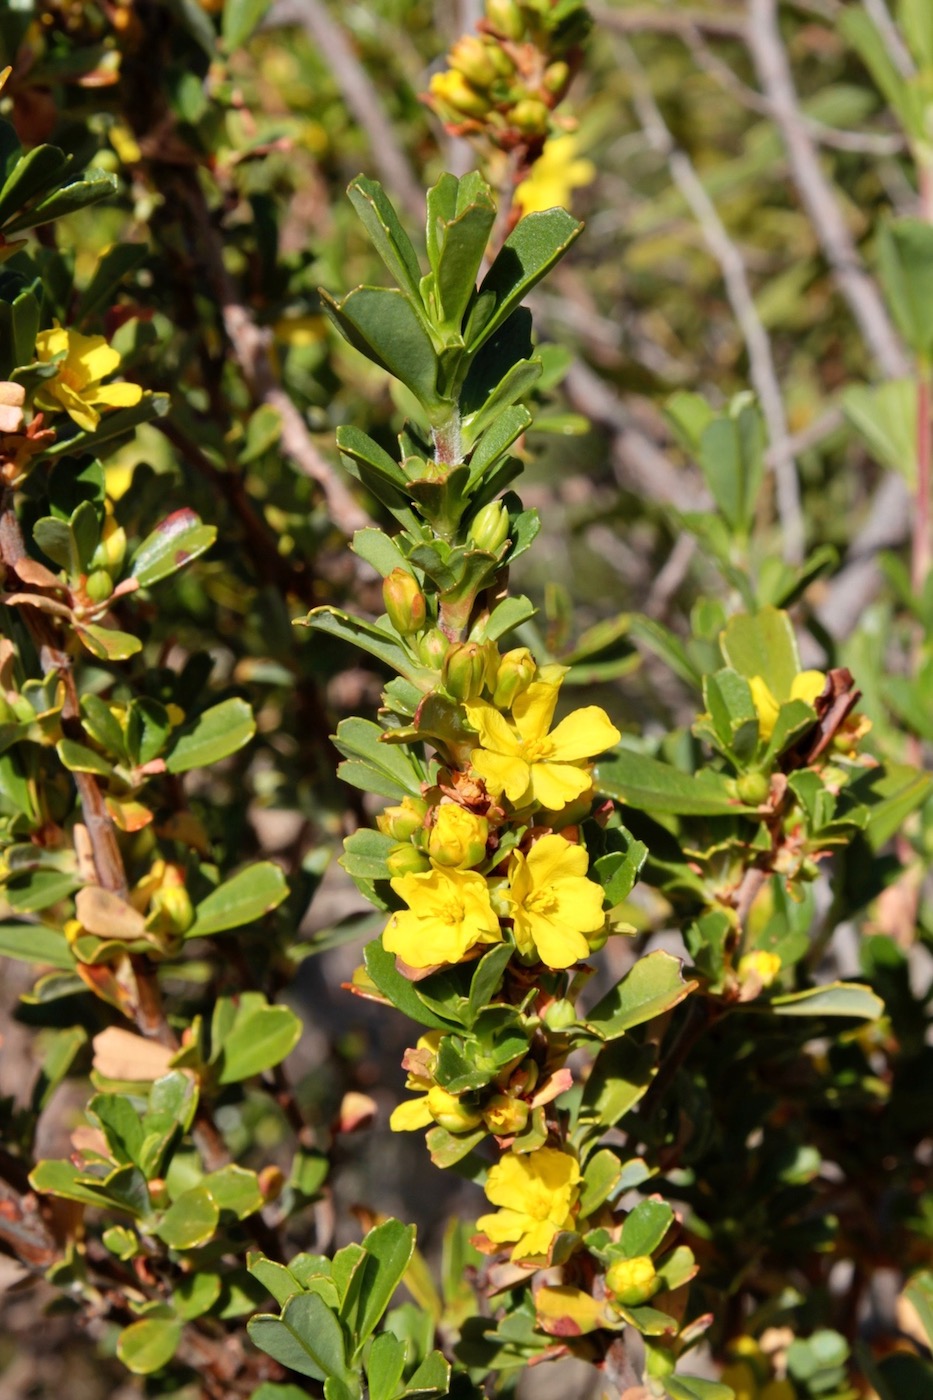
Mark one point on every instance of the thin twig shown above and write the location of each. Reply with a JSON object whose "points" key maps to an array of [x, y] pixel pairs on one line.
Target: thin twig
{"points": [[898, 51], [761, 361], [361, 98], [819, 198], [252, 347]]}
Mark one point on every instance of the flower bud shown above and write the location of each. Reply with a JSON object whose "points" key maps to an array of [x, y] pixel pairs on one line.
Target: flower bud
{"points": [[458, 837], [407, 860], [170, 910], [506, 17], [271, 1181], [505, 1116], [403, 821], [530, 116], [524, 1079], [753, 788], [111, 548], [98, 586], [632, 1281], [471, 57], [560, 1015], [463, 673], [598, 939], [450, 1112], [489, 528], [759, 964], [404, 602], [452, 91], [7, 713], [556, 77], [432, 648], [515, 674]]}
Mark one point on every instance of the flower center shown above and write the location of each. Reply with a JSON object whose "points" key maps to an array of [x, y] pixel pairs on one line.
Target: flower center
{"points": [[536, 750], [542, 902], [73, 378], [451, 912]]}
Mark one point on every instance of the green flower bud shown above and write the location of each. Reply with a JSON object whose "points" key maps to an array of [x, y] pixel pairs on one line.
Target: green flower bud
{"points": [[111, 549], [505, 1116], [458, 837], [170, 910], [598, 939], [404, 602], [7, 713], [560, 1015], [98, 586], [451, 1113], [403, 821], [516, 672], [556, 77], [753, 788], [464, 670], [432, 648], [407, 860], [530, 116], [506, 17], [632, 1281], [471, 57], [451, 90], [489, 528]]}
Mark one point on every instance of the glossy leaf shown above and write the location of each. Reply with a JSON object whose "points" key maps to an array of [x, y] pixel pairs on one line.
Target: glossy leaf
{"points": [[148, 1345], [175, 541], [307, 1338], [651, 987], [649, 785], [215, 734], [831, 999], [242, 899]]}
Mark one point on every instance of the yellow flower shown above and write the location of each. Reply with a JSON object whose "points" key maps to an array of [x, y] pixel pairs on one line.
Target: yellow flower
{"points": [[414, 1113], [806, 685], [759, 964], [557, 172], [458, 837], [553, 904], [76, 385], [448, 914], [537, 1192], [529, 764]]}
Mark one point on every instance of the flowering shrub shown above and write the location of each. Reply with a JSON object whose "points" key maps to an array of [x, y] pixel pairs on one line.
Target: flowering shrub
{"points": [[699, 1131]]}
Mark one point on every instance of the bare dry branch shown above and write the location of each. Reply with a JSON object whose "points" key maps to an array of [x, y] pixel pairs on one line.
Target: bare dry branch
{"points": [[394, 168], [819, 198], [761, 361]]}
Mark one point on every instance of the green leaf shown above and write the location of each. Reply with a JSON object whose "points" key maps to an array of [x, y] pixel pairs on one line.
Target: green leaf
{"points": [[242, 899], [174, 542], [831, 999], [645, 1227], [214, 734], [363, 635], [384, 1367], [731, 456], [190, 1221], [114, 424], [601, 1175], [195, 1294], [378, 549], [732, 711], [60, 1178], [240, 19], [620, 1077], [763, 644], [389, 1248], [691, 1388], [382, 324], [652, 786], [36, 943], [386, 233], [148, 1345], [365, 854], [307, 1338], [431, 1378], [106, 643], [87, 189], [916, 20], [892, 792], [461, 215], [856, 26], [400, 992], [885, 418], [34, 173], [652, 986], [496, 441], [261, 1037], [533, 247], [360, 738], [279, 1281], [235, 1189], [78, 758], [905, 262]]}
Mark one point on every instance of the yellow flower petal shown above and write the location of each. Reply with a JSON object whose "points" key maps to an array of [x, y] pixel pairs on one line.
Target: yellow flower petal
{"points": [[766, 706], [533, 710], [502, 773], [120, 395], [96, 358], [808, 686], [583, 734], [557, 784], [412, 1114]]}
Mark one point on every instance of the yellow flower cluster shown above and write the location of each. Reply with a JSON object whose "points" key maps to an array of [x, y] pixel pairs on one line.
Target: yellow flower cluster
{"points": [[76, 385], [536, 1194]]}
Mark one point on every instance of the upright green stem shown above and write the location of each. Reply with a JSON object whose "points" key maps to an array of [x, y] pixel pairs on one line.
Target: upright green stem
{"points": [[448, 450]]}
